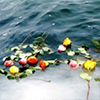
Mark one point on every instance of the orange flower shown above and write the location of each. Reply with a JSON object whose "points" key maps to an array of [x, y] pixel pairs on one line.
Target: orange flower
{"points": [[32, 60], [90, 64], [43, 64], [67, 42]]}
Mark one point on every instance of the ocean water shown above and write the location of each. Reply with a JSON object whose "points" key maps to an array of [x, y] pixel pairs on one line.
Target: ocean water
{"points": [[77, 19]]}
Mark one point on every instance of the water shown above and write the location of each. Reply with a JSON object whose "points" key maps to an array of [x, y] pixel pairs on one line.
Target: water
{"points": [[77, 19]]}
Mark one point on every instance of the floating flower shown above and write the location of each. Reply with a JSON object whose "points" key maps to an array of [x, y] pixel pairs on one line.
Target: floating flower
{"points": [[8, 63], [67, 42], [89, 64], [32, 60], [23, 61], [73, 64], [14, 69], [43, 64], [61, 48]]}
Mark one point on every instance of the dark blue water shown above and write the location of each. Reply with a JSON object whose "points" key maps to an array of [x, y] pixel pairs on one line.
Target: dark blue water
{"points": [[77, 19]]}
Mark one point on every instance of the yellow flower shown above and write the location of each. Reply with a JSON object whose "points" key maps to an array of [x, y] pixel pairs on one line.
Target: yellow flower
{"points": [[14, 69], [67, 42], [90, 64]]}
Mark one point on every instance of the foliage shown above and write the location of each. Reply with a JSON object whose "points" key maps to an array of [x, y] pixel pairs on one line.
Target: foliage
{"points": [[97, 79], [38, 48]]}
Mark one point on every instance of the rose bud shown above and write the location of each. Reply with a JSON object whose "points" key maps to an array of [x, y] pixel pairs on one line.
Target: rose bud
{"points": [[61, 48], [23, 62], [8, 63], [32, 60], [73, 64], [43, 64], [67, 42], [14, 69]]}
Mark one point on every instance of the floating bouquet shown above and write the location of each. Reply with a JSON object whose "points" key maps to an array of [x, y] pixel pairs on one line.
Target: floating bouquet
{"points": [[21, 64]]}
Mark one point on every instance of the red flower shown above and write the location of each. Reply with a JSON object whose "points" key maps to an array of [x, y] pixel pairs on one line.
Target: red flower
{"points": [[8, 63], [23, 62], [32, 60]]}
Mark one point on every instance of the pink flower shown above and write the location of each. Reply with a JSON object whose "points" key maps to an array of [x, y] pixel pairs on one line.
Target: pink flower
{"points": [[8, 63], [73, 64], [61, 48]]}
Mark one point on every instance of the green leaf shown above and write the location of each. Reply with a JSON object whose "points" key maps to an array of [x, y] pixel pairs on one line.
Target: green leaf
{"points": [[82, 50], [65, 61], [38, 40], [18, 52], [28, 54], [10, 77], [41, 52], [15, 48], [28, 71], [80, 61], [31, 46], [22, 55], [97, 79], [24, 46], [37, 68], [13, 57], [70, 53], [51, 51], [85, 76], [36, 51], [57, 62], [5, 58], [43, 44], [96, 42], [23, 75], [51, 61], [86, 47], [98, 63], [46, 48], [1, 70]]}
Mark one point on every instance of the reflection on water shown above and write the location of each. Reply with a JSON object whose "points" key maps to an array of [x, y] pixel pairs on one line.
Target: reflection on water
{"points": [[77, 19], [64, 85]]}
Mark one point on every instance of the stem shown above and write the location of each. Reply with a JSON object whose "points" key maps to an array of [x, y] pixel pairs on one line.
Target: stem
{"points": [[45, 37], [24, 40], [43, 33], [42, 80], [87, 98]]}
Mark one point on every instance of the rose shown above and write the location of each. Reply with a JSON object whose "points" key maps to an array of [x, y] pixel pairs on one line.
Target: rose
{"points": [[67, 42], [90, 64], [32, 60], [8, 63], [43, 64], [23, 61], [14, 69], [61, 48], [73, 64]]}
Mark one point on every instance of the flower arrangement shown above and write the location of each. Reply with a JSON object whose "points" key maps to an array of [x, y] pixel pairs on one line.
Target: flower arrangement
{"points": [[31, 62]]}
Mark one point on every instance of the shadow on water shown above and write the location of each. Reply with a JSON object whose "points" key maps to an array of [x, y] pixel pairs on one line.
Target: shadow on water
{"points": [[77, 19]]}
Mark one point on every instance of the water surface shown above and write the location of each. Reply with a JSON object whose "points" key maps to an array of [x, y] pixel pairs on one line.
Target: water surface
{"points": [[77, 19]]}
